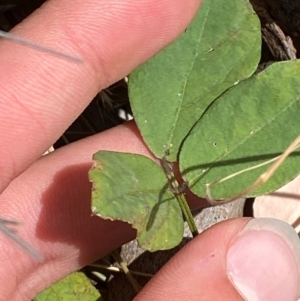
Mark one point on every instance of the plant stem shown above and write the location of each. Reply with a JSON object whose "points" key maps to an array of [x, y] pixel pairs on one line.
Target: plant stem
{"points": [[127, 272], [187, 213], [178, 192]]}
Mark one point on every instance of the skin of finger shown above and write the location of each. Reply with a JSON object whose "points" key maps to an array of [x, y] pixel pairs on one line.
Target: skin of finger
{"points": [[41, 95], [287, 204], [198, 271], [52, 200]]}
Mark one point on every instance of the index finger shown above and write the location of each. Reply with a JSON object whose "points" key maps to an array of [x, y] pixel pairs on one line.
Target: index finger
{"points": [[42, 95]]}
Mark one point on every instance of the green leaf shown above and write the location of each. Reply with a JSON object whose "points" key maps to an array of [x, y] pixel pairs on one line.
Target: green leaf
{"points": [[134, 189], [170, 92], [251, 123], [72, 288]]}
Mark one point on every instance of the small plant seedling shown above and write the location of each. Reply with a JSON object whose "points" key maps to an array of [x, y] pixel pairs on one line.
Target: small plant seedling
{"points": [[174, 108], [216, 116], [226, 125]]}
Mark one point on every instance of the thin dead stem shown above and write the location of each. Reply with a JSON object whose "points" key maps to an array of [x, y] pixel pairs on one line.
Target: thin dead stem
{"points": [[27, 43], [6, 228], [260, 180]]}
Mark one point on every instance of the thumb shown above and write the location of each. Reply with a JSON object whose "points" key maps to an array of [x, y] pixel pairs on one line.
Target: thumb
{"points": [[239, 259]]}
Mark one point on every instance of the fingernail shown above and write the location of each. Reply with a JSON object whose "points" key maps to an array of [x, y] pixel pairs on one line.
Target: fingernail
{"points": [[263, 261]]}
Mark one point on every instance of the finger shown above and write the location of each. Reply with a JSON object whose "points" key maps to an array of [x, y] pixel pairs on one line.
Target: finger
{"points": [[53, 201], [258, 260], [42, 95]]}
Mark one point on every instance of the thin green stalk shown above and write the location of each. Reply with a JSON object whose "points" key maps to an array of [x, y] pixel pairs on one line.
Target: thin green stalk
{"points": [[127, 272], [178, 192], [187, 213]]}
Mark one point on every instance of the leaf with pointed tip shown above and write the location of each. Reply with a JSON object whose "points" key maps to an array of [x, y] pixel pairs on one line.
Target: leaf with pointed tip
{"points": [[133, 188], [170, 92], [251, 123]]}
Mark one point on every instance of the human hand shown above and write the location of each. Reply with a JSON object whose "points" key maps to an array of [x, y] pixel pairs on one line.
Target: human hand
{"points": [[41, 96]]}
